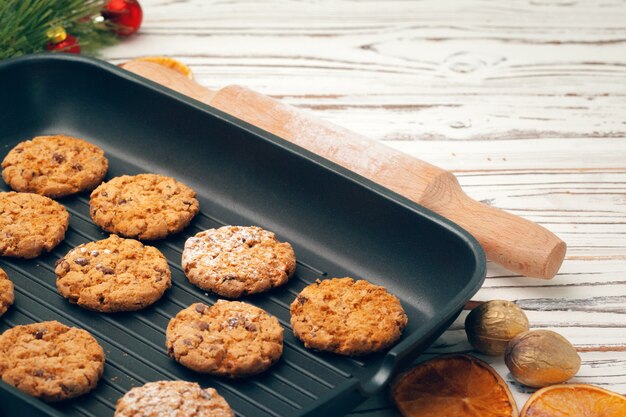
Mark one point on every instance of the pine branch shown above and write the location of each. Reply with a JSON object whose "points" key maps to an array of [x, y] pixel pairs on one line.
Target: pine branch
{"points": [[23, 25]]}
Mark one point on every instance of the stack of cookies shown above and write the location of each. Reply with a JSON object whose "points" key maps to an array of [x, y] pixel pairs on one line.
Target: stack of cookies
{"points": [[232, 339]]}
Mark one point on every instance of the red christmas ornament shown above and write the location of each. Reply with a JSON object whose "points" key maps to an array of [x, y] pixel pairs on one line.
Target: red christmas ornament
{"points": [[125, 14], [60, 41]]}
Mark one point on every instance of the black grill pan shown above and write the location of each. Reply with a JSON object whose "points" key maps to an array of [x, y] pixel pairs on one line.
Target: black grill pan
{"points": [[339, 223]]}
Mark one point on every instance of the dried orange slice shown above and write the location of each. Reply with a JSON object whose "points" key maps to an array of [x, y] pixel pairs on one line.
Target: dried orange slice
{"points": [[575, 400], [453, 386], [169, 63]]}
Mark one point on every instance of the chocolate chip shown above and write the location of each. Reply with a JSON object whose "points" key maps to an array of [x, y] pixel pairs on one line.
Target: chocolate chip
{"points": [[104, 194], [64, 265], [81, 261], [200, 308], [161, 275], [40, 333], [59, 261], [203, 326], [187, 342], [77, 167], [189, 266], [101, 299], [122, 201], [18, 150], [38, 372], [206, 394], [233, 322], [251, 327], [95, 253], [302, 299], [106, 270], [58, 158], [170, 351]]}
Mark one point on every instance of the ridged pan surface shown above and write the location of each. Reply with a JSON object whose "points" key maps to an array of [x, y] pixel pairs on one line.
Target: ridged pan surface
{"points": [[338, 223]]}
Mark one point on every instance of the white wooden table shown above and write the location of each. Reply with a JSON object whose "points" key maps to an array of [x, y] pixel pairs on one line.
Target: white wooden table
{"points": [[525, 101]]}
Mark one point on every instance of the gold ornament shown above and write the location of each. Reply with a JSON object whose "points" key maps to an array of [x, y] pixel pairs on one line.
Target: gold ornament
{"points": [[56, 34]]}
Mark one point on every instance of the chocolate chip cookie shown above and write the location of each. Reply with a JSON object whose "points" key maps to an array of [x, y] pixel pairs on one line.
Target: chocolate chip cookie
{"points": [[54, 166], [144, 206], [173, 399], [347, 317], [50, 360], [30, 224], [231, 339], [6, 292], [113, 274], [234, 260]]}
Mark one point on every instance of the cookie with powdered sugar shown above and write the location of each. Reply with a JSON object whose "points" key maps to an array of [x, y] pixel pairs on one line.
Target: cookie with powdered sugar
{"points": [[172, 398], [234, 261]]}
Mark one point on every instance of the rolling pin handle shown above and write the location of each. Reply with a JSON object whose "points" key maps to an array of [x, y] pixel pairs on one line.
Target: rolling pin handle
{"points": [[511, 241]]}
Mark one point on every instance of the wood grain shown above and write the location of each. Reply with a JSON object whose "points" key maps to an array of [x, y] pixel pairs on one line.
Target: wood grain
{"points": [[524, 101]]}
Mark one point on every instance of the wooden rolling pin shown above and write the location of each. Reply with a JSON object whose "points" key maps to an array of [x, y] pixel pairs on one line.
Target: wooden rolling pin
{"points": [[516, 243]]}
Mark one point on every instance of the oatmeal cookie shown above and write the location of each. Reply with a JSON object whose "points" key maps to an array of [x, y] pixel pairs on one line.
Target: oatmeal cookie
{"points": [[347, 317], [231, 339], [6, 292], [54, 166], [50, 361], [144, 206], [30, 224], [113, 274]]}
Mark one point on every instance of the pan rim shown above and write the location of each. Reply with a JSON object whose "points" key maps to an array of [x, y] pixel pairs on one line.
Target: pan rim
{"points": [[382, 376]]}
